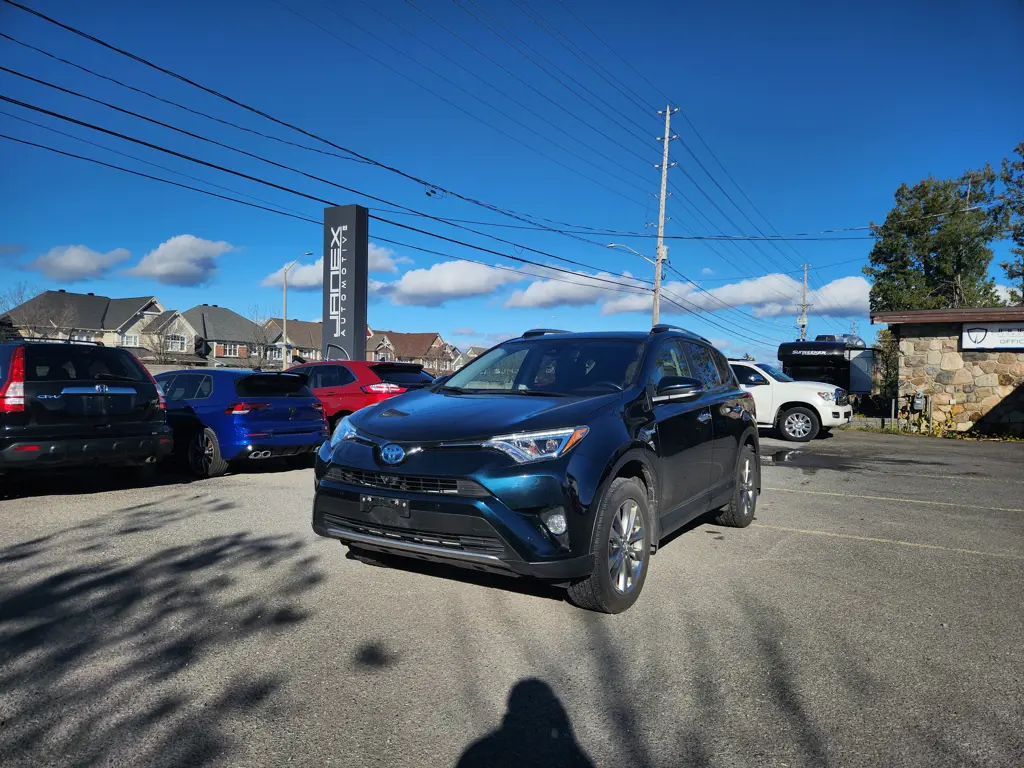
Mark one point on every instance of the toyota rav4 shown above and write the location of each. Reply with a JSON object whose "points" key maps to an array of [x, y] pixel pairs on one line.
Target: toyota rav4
{"points": [[561, 456]]}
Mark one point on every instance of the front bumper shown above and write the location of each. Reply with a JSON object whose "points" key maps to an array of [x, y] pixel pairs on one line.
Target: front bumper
{"points": [[37, 454], [833, 415], [468, 526]]}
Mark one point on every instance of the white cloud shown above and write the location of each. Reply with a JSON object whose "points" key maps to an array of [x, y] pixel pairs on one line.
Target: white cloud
{"points": [[707, 271], [1003, 292], [310, 277], [447, 280], [768, 296], [574, 290], [70, 263], [182, 260], [384, 259]]}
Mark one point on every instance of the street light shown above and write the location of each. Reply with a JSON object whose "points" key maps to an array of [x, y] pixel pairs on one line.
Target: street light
{"points": [[284, 310], [657, 275]]}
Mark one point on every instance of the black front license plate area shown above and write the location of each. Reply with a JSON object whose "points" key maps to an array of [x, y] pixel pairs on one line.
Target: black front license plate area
{"points": [[390, 506]]}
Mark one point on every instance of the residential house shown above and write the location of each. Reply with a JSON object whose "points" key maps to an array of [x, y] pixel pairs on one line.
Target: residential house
{"points": [[305, 340], [427, 349], [225, 338], [169, 339], [84, 317]]}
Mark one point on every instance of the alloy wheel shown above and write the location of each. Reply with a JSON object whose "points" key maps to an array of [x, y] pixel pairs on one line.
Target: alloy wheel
{"points": [[748, 488], [797, 425], [626, 547], [200, 453]]}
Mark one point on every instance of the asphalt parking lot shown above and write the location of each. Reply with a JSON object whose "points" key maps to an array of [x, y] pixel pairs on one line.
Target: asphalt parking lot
{"points": [[872, 615]]}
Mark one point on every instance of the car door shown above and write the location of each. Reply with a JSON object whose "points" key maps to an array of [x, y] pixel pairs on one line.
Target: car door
{"points": [[179, 391], [683, 442], [337, 389], [722, 396], [760, 387]]}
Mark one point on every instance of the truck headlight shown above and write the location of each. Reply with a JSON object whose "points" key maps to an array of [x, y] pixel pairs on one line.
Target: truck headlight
{"points": [[537, 446], [827, 396]]}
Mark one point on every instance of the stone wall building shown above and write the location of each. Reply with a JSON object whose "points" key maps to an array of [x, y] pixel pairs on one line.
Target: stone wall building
{"points": [[969, 361]]}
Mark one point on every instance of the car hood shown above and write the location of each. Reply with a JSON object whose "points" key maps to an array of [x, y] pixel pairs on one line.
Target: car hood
{"points": [[809, 386], [426, 416]]}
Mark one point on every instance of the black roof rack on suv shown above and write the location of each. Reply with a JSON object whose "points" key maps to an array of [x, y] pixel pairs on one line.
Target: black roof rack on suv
{"points": [[662, 327], [541, 332], [54, 339]]}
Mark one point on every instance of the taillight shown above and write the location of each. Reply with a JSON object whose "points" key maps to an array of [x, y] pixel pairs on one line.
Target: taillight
{"points": [[12, 395], [240, 409], [161, 400], [383, 388]]}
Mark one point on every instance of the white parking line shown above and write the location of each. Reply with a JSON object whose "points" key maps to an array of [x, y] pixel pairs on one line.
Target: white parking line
{"points": [[893, 498], [875, 540]]}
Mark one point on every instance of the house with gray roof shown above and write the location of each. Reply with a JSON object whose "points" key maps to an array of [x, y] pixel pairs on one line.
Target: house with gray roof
{"points": [[85, 317], [225, 338]]}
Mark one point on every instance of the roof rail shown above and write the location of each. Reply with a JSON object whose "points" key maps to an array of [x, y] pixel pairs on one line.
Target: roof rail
{"points": [[68, 340], [662, 327], [541, 332]]}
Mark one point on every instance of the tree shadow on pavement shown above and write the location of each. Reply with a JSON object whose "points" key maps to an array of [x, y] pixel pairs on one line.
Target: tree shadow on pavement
{"points": [[128, 659], [535, 731]]}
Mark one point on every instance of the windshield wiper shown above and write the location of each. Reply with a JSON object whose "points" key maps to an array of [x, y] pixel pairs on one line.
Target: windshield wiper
{"points": [[456, 390], [536, 393], [114, 377]]}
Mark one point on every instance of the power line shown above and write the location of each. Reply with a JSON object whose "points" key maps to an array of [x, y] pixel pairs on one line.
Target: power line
{"points": [[451, 103]]}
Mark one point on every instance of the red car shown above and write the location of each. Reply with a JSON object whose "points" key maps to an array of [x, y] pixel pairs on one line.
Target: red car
{"points": [[345, 386]]}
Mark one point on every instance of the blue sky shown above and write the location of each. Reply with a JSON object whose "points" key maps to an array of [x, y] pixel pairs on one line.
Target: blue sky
{"points": [[818, 113]]}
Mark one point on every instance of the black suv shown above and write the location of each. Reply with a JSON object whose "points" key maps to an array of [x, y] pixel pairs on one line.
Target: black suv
{"points": [[65, 404], [562, 456]]}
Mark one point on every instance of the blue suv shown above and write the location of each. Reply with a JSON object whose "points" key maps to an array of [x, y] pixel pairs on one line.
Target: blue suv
{"points": [[224, 416], [562, 456]]}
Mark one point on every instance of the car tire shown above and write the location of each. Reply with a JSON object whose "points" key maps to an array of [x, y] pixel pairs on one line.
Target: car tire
{"points": [[739, 512], [799, 424], [204, 459], [623, 514]]}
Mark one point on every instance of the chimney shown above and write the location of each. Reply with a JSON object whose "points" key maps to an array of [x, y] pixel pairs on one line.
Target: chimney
{"points": [[206, 305], [216, 306], [61, 291], [90, 293]]}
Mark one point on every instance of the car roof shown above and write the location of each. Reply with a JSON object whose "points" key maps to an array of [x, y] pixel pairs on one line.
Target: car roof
{"points": [[362, 363], [233, 372], [617, 335]]}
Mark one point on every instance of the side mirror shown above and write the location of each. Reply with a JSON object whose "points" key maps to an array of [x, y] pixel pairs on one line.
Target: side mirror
{"points": [[677, 388]]}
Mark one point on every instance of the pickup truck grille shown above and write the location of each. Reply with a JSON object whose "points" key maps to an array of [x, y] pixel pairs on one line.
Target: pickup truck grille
{"points": [[842, 398], [412, 483]]}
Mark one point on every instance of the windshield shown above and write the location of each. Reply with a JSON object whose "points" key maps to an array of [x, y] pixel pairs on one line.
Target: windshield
{"points": [[774, 372], [577, 367]]}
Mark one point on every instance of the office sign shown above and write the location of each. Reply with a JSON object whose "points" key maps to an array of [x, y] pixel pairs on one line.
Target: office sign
{"points": [[1005, 335], [346, 277]]}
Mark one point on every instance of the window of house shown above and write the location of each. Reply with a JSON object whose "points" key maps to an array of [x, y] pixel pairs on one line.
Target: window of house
{"points": [[274, 353], [129, 339], [230, 350], [175, 342]]}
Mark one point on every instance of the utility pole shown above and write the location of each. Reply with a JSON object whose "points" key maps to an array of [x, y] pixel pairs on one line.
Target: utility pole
{"points": [[801, 322], [659, 257], [853, 327], [285, 355]]}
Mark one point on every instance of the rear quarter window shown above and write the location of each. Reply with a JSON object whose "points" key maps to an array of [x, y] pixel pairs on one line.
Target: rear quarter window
{"points": [[396, 375], [272, 385]]}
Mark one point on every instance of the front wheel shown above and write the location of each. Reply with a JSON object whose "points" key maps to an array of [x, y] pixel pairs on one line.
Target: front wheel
{"points": [[621, 549], [799, 424]]}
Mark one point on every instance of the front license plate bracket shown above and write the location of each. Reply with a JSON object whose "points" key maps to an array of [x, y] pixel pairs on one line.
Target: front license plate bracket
{"points": [[367, 503]]}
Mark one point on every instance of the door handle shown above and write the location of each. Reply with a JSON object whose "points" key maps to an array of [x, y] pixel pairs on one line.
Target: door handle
{"points": [[704, 417]]}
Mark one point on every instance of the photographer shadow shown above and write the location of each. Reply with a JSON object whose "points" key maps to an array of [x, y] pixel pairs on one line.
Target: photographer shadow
{"points": [[534, 731]]}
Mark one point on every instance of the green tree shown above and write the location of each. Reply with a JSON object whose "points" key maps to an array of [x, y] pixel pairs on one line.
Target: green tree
{"points": [[1012, 176], [933, 250], [887, 363]]}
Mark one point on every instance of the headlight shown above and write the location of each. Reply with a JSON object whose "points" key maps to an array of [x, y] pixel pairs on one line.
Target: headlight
{"points": [[537, 446], [826, 396], [344, 431]]}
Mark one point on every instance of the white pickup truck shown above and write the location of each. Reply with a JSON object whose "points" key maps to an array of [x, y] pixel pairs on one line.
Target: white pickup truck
{"points": [[799, 410]]}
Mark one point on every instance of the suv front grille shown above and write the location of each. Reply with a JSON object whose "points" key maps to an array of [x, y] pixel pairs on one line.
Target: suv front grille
{"points": [[411, 483], [842, 397], [486, 545]]}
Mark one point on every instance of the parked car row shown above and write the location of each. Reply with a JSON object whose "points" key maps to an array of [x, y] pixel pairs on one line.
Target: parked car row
{"points": [[70, 404]]}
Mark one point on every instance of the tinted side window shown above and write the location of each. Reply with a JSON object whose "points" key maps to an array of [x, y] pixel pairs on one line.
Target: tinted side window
{"points": [[205, 388], [704, 366], [66, 362], [724, 371], [670, 362], [183, 387]]}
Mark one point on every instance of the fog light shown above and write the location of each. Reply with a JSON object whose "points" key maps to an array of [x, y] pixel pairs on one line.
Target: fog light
{"points": [[555, 521]]}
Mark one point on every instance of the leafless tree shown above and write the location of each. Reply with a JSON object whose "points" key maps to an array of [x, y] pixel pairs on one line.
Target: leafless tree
{"points": [[261, 334], [19, 318], [158, 341]]}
